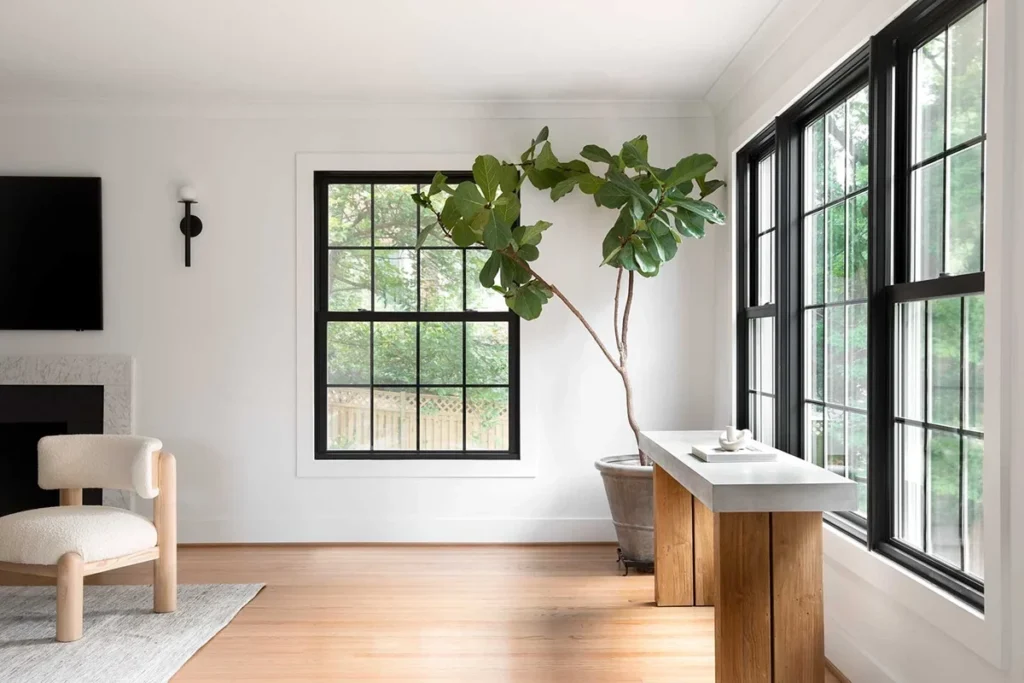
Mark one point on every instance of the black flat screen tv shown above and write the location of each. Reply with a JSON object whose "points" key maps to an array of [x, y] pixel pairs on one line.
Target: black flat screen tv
{"points": [[51, 247]]}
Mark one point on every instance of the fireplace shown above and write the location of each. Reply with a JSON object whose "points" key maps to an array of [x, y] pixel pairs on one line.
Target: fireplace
{"points": [[28, 413]]}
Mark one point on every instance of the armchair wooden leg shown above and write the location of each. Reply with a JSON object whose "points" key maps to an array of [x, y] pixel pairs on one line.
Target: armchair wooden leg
{"points": [[165, 569], [70, 594]]}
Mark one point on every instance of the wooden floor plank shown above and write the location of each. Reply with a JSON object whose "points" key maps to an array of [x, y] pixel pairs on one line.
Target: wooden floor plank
{"points": [[520, 614]]}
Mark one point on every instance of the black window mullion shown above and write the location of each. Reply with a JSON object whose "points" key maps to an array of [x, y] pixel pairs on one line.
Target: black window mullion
{"points": [[789, 365], [882, 255]]}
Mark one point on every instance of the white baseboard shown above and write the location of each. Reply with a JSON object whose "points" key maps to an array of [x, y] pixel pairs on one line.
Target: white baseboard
{"points": [[392, 530], [848, 658]]}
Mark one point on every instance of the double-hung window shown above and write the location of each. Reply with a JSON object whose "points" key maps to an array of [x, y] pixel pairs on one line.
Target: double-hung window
{"points": [[414, 358], [877, 266], [756, 323]]}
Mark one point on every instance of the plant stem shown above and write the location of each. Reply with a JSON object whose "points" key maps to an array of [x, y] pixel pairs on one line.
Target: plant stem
{"points": [[575, 311], [624, 371], [623, 346], [615, 321]]}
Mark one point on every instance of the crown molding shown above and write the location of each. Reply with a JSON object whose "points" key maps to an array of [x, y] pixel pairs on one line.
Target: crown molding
{"points": [[773, 32], [448, 110]]}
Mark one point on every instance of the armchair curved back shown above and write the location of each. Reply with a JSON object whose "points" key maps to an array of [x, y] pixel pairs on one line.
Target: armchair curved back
{"points": [[78, 461]]}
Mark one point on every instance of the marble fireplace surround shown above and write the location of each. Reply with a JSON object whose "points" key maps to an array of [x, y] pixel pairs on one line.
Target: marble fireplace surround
{"points": [[115, 373]]}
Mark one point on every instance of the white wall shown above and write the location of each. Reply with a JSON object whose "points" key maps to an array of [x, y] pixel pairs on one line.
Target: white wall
{"points": [[881, 623], [215, 344]]}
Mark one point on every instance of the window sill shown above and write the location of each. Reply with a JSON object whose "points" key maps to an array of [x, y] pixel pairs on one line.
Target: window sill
{"points": [[945, 612], [312, 467]]}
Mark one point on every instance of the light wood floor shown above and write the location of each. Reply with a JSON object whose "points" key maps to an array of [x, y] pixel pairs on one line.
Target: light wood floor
{"points": [[426, 613]]}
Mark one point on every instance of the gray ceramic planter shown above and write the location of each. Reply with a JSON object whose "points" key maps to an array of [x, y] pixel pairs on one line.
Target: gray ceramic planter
{"points": [[630, 490]]}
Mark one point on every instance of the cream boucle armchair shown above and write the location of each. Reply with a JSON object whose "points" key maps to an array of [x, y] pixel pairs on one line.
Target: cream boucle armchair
{"points": [[73, 541]]}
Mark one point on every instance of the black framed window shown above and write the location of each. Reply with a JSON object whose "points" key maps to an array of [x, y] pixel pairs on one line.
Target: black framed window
{"points": [[414, 358], [757, 291], [936, 300], [878, 297], [835, 237]]}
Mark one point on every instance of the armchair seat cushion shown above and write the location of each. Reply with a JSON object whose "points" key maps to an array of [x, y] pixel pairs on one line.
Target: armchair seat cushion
{"points": [[95, 532]]}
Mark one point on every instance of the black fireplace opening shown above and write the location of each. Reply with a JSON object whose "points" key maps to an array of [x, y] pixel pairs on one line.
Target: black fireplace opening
{"points": [[27, 414]]}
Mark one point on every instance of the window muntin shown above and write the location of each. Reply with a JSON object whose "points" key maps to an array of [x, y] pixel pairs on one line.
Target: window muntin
{"points": [[416, 358], [835, 311]]}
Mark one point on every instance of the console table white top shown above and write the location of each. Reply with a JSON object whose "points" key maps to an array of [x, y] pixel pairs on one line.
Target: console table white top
{"points": [[788, 484]]}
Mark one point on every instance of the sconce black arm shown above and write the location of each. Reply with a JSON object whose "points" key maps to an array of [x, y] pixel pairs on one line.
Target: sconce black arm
{"points": [[190, 227]]}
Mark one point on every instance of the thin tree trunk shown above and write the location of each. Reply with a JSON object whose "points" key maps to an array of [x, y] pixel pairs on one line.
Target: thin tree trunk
{"points": [[621, 339], [624, 371]]}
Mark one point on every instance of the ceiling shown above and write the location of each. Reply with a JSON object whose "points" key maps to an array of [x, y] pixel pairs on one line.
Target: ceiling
{"points": [[371, 50]]}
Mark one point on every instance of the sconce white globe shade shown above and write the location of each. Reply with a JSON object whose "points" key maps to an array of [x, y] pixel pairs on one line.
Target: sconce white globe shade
{"points": [[187, 194]]}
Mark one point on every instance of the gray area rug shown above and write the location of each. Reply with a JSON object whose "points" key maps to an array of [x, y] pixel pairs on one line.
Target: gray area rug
{"points": [[124, 641]]}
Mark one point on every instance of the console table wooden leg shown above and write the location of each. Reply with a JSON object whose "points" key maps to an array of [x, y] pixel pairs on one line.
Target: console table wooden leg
{"points": [[769, 621], [673, 542], [684, 573]]}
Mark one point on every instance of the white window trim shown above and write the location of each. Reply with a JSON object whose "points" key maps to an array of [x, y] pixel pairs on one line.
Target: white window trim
{"points": [[306, 165]]}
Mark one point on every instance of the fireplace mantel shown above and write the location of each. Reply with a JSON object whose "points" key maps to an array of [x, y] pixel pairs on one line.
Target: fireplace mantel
{"points": [[115, 373]]}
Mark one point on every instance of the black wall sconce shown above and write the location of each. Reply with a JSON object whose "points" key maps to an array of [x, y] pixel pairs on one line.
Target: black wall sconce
{"points": [[190, 225]]}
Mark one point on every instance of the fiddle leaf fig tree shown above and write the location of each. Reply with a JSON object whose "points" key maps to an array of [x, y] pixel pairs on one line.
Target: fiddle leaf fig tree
{"points": [[654, 210]]}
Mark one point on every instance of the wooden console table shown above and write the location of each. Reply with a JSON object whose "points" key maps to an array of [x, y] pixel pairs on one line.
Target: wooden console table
{"points": [[746, 538]]}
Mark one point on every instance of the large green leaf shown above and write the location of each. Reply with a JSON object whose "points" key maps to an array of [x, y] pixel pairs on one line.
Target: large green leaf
{"points": [[487, 174], [527, 301], [546, 159], [611, 196], [667, 245], [496, 234], [564, 187], [468, 200], [625, 223], [634, 152], [645, 261], [691, 167], [654, 247], [704, 209], [610, 247], [596, 153], [689, 224], [508, 178], [512, 273], [530, 234], [631, 188], [626, 258], [439, 183], [528, 252], [490, 270], [590, 183], [545, 179], [709, 186], [464, 235], [506, 209]]}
